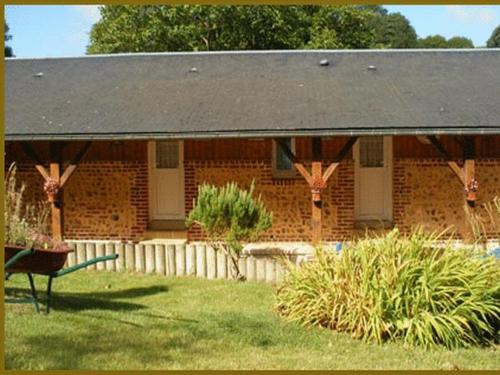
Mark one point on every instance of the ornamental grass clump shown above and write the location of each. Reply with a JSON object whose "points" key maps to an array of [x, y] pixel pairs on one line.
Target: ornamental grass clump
{"points": [[26, 222], [230, 216], [394, 287]]}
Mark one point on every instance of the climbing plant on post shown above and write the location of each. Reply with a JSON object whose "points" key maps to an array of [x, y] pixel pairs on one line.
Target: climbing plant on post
{"points": [[229, 217]]}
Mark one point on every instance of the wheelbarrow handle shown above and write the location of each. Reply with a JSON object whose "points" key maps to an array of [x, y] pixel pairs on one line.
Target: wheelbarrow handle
{"points": [[84, 264], [18, 256]]}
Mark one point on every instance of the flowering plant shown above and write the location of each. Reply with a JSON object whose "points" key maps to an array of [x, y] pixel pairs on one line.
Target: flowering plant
{"points": [[45, 242], [51, 188]]}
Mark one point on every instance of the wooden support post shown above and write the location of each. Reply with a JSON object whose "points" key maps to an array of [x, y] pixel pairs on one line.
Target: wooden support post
{"points": [[316, 148], [469, 170], [57, 204], [316, 203], [53, 177], [316, 179]]}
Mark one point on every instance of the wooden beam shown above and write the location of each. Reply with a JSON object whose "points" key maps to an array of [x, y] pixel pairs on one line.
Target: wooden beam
{"points": [[316, 180], [41, 169], [74, 163], [316, 222], [438, 146], [80, 155], [466, 174], [292, 158], [469, 169], [30, 152], [316, 148], [457, 170], [469, 147], [303, 171], [338, 158], [329, 171], [56, 208], [347, 147], [451, 163]]}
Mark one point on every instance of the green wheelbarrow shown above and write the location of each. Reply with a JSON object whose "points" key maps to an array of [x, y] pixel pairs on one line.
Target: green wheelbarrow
{"points": [[42, 262]]}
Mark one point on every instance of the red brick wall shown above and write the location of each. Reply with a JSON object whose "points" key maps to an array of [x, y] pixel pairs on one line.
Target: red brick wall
{"points": [[102, 200], [107, 201], [105, 198], [288, 199], [426, 192]]}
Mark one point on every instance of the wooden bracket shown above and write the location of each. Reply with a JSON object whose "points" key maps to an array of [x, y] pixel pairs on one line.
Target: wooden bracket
{"points": [[317, 180], [74, 163], [30, 152], [465, 174], [53, 176]]}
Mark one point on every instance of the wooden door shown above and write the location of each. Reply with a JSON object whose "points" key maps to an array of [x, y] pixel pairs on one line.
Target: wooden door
{"points": [[166, 180], [373, 178]]}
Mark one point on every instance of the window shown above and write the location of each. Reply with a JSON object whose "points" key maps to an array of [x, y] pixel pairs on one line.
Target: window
{"points": [[282, 165], [167, 154], [371, 152]]}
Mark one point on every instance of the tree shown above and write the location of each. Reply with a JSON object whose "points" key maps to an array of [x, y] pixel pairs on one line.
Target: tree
{"points": [[341, 27], [202, 28], [196, 28], [433, 41], [229, 216], [438, 41], [460, 42], [7, 50], [393, 31], [494, 40]]}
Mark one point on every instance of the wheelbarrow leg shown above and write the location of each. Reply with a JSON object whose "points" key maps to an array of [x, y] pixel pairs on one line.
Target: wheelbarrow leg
{"points": [[33, 292], [49, 294]]}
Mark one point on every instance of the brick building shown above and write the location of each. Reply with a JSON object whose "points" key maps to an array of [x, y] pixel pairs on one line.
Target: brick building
{"points": [[336, 141]]}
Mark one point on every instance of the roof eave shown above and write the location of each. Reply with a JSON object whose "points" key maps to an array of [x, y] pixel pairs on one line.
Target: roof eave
{"points": [[490, 130]]}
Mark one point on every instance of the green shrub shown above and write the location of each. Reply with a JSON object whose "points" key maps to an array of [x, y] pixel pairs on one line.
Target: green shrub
{"points": [[398, 288], [229, 216]]}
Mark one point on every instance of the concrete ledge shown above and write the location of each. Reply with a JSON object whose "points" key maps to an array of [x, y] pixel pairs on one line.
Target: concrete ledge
{"points": [[159, 225]]}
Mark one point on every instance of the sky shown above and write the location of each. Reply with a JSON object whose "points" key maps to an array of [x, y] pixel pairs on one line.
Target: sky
{"points": [[63, 30]]}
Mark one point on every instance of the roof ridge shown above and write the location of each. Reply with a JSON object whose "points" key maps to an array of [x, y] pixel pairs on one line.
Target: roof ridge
{"points": [[264, 52]]}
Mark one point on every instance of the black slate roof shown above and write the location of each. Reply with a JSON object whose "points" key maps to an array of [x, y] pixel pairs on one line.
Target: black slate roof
{"points": [[243, 94]]}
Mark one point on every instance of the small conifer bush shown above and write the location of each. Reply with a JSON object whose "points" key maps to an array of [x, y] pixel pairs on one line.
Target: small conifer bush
{"points": [[229, 217], [397, 287]]}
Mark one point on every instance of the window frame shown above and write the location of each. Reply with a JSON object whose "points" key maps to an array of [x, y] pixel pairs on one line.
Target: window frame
{"points": [[177, 153], [282, 173]]}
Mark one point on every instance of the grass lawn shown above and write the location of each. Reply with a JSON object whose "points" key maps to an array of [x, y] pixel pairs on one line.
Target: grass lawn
{"points": [[117, 321]]}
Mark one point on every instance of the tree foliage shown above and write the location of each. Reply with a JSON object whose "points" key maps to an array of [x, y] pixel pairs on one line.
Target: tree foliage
{"points": [[433, 41], [230, 216], [124, 28], [438, 41], [7, 50], [393, 31], [460, 42], [494, 40], [340, 27], [157, 28]]}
